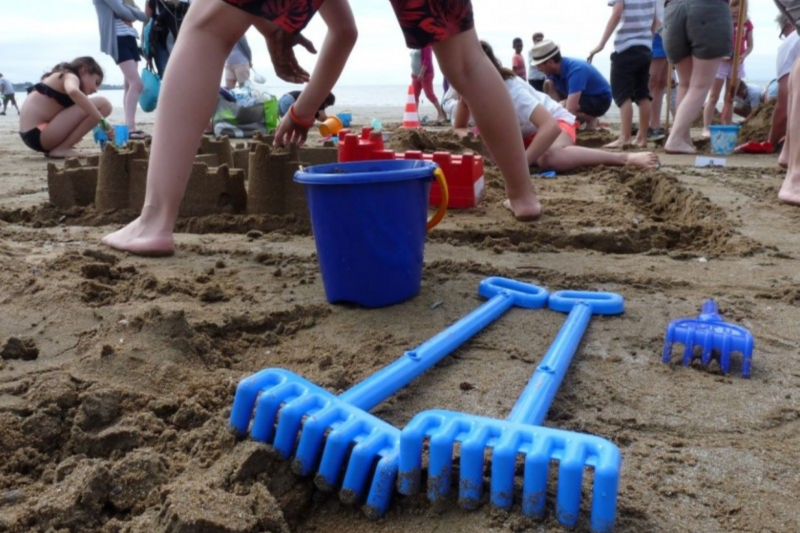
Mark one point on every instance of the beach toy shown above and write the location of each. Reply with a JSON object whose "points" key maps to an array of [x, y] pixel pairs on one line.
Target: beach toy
{"points": [[100, 136], [369, 224], [549, 174], [121, 135], [377, 127], [723, 138], [711, 333], [521, 437], [336, 433], [331, 126], [410, 117], [755, 147], [258, 78], [346, 119]]}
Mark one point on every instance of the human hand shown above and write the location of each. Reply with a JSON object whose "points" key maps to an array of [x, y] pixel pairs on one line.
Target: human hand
{"points": [[292, 130], [281, 50], [596, 50]]}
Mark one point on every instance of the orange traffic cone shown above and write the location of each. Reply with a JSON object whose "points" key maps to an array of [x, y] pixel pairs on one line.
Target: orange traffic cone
{"points": [[410, 117]]}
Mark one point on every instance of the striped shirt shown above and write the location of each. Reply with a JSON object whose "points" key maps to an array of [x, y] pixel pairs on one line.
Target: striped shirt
{"points": [[635, 28], [123, 29]]}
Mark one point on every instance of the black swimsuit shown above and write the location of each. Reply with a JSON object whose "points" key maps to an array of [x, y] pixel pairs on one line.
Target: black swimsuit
{"points": [[33, 138]]}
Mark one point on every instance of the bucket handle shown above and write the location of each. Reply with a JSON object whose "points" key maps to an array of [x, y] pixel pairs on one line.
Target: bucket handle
{"points": [[439, 215]]}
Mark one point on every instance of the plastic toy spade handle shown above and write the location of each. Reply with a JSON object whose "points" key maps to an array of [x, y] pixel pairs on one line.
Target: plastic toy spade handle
{"points": [[503, 294], [535, 401], [439, 215]]}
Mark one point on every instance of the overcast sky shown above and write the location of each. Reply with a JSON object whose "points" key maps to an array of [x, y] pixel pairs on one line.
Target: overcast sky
{"points": [[37, 34]]}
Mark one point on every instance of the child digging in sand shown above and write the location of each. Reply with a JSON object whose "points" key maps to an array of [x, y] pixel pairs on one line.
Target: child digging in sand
{"points": [[58, 111], [548, 130], [211, 29]]}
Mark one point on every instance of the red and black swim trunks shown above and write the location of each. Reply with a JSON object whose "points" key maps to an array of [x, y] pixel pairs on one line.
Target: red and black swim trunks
{"points": [[291, 15], [426, 22], [423, 22]]}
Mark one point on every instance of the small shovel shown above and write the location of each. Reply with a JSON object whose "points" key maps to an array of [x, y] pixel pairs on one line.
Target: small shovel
{"points": [[521, 434], [300, 418], [712, 333]]}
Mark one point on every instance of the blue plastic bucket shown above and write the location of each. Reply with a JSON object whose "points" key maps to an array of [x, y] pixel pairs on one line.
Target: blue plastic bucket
{"points": [[723, 139], [369, 220]]}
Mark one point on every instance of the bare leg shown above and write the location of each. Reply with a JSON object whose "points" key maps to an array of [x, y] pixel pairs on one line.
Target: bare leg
{"points": [[69, 127], [696, 77], [563, 155], [790, 190], [133, 89], [186, 102], [644, 122], [658, 84], [727, 105], [468, 69], [626, 125], [711, 106]]}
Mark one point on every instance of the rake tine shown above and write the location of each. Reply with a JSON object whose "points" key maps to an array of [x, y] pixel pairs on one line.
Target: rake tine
{"points": [[336, 434], [725, 352], [470, 487], [570, 477], [441, 461], [688, 347], [534, 484], [708, 345], [504, 458]]}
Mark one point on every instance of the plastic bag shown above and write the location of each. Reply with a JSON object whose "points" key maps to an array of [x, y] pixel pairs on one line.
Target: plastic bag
{"points": [[148, 100], [243, 111]]}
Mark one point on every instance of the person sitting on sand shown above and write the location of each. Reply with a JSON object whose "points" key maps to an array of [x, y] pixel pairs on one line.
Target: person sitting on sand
{"points": [[291, 97], [747, 98], [575, 83], [548, 130], [58, 111]]}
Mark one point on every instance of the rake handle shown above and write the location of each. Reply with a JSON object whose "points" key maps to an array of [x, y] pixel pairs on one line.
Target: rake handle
{"points": [[532, 406], [504, 293]]}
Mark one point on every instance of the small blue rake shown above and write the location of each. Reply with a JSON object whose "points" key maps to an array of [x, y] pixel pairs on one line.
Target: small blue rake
{"points": [[521, 434], [710, 332], [300, 418]]}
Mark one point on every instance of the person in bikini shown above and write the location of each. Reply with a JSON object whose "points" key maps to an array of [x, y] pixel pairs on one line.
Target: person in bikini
{"points": [[58, 111]]}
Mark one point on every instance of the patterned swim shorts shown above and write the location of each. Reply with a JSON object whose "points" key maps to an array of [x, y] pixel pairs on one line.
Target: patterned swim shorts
{"points": [[423, 22]]}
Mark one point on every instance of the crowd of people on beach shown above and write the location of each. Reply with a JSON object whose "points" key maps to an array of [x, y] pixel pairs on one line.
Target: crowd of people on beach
{"points": [[548, 96]]}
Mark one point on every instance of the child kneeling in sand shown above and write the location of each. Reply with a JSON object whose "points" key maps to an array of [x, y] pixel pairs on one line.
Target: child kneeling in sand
{"points": [[58, 111], [548, 129]]}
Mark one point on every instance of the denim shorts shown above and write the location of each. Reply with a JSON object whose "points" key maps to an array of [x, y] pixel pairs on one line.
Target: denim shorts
{"points": [[698, 28]]}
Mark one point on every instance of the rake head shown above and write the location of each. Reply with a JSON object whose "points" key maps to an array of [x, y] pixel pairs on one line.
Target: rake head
{"points": [[323, 433], [507, 441], [712, 334]]}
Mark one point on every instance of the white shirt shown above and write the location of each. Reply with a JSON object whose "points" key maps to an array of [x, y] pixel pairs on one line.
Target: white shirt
{"points": [[526, 99], [6, 87], [787, 53], [753, 98]]}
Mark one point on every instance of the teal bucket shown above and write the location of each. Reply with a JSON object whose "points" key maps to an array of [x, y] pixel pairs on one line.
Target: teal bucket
{"points": [[370, 221], [723, 139]]}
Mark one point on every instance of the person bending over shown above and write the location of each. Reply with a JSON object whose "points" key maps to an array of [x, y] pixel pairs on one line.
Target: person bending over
{"points": [[575, 83], [287, 100], [58, 111]]}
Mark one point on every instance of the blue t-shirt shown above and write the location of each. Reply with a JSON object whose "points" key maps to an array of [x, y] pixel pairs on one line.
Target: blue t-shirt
{"points": [[579, 76]]}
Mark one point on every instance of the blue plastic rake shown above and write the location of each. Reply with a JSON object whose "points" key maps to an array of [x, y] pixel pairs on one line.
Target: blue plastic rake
{"points": [[710, 332], [521, 434], [284, 406]]}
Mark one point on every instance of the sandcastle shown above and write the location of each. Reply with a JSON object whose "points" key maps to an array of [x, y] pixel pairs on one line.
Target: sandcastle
{"points": [[254, 178]]}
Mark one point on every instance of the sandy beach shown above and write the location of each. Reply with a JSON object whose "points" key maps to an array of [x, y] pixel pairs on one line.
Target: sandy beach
{"points": [[118, 372]]}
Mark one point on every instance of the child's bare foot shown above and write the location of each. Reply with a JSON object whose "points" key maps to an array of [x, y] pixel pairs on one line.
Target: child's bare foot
{"points": [[524, 211], [619, 143], [783, 158], [640, 141], [679, 147], [63, 153], [790, 190], [137, 238], [643, 159]]}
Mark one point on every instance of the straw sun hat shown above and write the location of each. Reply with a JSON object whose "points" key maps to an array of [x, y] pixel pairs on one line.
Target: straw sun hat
{"points": [[543, 51]]}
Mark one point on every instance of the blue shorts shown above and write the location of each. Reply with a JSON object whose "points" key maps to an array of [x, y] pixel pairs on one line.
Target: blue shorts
{"points": [[127, 49], [658, 47]]}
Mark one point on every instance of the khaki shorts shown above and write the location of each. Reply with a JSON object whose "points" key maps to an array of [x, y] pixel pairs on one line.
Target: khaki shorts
{"points": [[237, 73], [697, 28]]}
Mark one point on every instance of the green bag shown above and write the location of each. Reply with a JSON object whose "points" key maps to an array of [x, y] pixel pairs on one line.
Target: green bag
{"points": [[271, 113]]}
